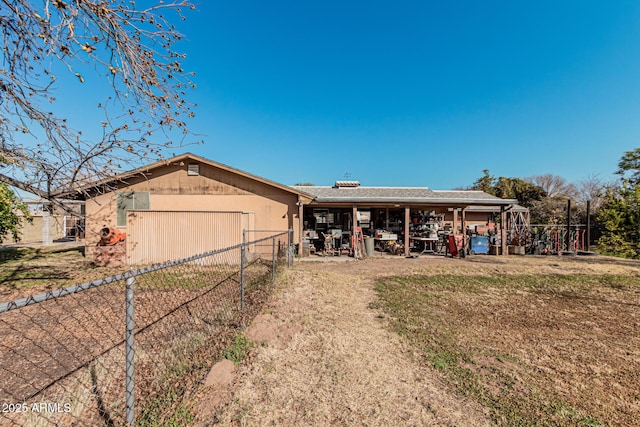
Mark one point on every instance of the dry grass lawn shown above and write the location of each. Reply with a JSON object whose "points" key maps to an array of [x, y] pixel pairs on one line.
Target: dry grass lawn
{"points": [[435, 341], [30, 271], [332, 361]]}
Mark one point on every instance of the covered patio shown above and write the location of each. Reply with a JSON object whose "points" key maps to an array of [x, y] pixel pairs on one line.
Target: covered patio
{"points": [[400, 218]]}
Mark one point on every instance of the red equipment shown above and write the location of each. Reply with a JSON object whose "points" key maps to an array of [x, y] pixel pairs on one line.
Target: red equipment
{"points": [[111, 236], [456, 245]]}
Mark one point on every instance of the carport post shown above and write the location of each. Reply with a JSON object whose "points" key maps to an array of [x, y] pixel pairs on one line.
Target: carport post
{"points": [[503, 231], [354, 227], [407, 220], [464, 229], [300, 223], [290, 248], [386, 218], [455, 220], [129, 352]]}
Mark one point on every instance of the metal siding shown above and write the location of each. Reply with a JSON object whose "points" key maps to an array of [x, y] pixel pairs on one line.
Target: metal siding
{"points": [[159, 236]]}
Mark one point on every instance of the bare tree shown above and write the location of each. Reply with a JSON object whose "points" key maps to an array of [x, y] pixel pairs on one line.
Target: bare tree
{"points": [[133, 48], [554, 186], [552, 208], [592, 189]]}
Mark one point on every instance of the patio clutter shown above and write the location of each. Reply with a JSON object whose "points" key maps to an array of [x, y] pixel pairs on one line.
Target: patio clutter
{"points": [[330, 232]]}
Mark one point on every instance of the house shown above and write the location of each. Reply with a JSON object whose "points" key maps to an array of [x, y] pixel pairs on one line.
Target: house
{"points": [[62, 222], [188, 204]]}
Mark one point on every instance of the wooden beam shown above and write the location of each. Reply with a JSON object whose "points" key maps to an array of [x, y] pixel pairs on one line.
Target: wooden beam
{"points": [[454, 228], [503, 231], [300, 222], [464, 229], [386, 219], [354, 225], [407, 219]]}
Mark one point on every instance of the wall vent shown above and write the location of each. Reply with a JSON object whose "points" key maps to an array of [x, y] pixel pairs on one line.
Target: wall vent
{"points": [[193, 169]]}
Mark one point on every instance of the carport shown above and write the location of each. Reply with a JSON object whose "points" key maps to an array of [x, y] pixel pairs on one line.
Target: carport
{"points": [[398, 210]]}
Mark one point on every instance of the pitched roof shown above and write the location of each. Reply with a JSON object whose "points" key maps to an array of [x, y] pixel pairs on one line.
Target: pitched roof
{"points": [[362, 194], [142, 171]]}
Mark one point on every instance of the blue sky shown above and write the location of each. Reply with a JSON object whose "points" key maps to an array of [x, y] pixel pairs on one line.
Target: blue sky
{"points": [[415, 93]]}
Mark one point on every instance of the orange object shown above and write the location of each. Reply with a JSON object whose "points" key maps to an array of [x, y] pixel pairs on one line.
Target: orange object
{"points": [[111, 236], [482, 229]]}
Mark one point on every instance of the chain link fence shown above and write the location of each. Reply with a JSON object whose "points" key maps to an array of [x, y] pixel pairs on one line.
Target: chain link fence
{"points": [[131, 349]]}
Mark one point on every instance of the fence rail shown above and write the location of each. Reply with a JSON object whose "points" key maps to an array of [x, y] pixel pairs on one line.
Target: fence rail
{"points": [[131, 349], [550, 238]]}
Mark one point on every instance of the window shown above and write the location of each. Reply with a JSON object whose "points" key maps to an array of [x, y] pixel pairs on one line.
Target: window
{"points": [[130, 200]]}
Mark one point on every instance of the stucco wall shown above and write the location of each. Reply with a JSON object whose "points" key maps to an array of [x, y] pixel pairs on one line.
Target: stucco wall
{"points": [[32, 232], [471, 218], [172, 189]]}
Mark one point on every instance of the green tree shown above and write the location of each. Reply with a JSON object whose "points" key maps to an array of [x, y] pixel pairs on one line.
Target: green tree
{"points": [[528, 193], [619, 214], [619, 218], [629, 166], [516, 188], [509, 188], [10, 209], [485, 183]]}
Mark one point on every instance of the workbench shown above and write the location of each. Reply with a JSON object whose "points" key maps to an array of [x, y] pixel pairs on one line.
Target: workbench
{"points": [[382, 240], [427, 243]]}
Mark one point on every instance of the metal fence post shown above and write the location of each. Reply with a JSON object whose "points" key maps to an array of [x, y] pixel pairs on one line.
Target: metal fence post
{"points": [[242, 256], [290, 248], [130, 414], [273, 261]]}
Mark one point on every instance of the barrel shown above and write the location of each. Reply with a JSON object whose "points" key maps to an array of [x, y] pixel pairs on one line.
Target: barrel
{"points": [[369, 245]]}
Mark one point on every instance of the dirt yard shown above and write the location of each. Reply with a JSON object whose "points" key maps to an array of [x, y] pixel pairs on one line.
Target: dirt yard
{"points": [[327, 353], [557, 336]]}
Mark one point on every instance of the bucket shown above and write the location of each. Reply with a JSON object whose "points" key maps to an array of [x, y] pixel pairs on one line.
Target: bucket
{"points": [[369, 245], [305, 252]]}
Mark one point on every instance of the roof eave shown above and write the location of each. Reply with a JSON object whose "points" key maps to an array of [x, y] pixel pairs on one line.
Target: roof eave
{"points": [[186, 156], [481, 202]]}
